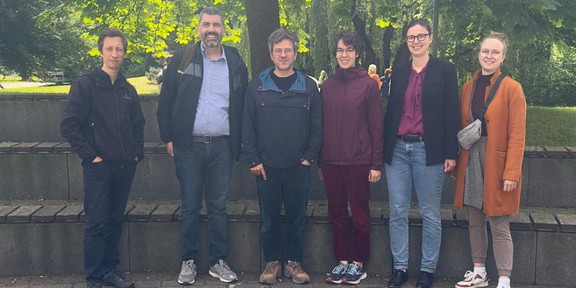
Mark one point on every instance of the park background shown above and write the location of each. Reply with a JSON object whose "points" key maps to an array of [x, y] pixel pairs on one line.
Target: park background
{"points": [[39, 37], [41, 215]]}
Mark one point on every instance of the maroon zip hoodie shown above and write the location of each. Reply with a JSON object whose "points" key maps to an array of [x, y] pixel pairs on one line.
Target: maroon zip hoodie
{"points": [[352, 119]]}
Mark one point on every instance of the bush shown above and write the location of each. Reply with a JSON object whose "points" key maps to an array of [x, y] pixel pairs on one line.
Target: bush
{"points": [[152, 74]]}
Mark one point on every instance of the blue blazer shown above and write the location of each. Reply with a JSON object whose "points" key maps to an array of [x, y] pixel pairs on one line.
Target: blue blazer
{"points": [[440, 110]]}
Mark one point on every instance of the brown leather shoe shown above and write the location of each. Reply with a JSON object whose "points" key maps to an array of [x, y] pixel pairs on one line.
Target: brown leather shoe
{"points": [[294, 270], [271, 272]]}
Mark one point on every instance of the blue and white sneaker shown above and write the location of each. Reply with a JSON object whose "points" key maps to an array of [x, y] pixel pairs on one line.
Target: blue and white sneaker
{"points": [[354, 275], [337, 274]]}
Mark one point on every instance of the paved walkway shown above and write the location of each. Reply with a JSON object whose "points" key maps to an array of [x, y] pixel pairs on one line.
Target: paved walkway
{"points": [[146, 280], [22, 84]]}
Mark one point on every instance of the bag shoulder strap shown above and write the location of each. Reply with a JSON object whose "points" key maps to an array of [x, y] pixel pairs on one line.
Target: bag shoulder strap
{"points": [[186, 57], [490, 96]]}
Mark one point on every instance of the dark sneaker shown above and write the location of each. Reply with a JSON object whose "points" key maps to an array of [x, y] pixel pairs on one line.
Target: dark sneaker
{"points": [[223, 272], [93, 285], [187, 273], [425, 280], [271, 273], [116, 279], [337, 274], [354, 274], [294, 270], [398, 278]]}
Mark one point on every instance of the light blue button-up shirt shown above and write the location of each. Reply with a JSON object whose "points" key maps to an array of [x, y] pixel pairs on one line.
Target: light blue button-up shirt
{"points": [[214, 100]]}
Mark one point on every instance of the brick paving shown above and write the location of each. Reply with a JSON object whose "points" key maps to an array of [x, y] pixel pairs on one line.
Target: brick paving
{"points": [[153, 280]]}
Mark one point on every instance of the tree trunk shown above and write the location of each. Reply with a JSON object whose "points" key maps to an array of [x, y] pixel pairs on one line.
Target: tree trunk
{"points": [[369, 54], [386, 50], [262, 19]]}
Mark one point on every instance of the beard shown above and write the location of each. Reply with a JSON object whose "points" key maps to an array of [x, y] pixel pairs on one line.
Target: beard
{"points": [[211, 43]]}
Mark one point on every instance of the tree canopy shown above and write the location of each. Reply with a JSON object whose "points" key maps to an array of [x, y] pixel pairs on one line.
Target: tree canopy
{"points": [[542, 34]]}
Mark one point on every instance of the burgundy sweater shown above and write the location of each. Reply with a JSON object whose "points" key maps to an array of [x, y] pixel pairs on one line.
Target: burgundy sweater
{"points": [[352, 119]]}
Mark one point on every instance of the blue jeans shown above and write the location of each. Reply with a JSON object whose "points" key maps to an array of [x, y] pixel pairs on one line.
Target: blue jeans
{"points": [[106, 190], [291, 186], [204, 169], [408, 170]]}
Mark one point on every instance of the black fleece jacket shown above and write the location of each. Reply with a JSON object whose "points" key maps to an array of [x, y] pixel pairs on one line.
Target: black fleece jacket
{"points": [[104, 119]]}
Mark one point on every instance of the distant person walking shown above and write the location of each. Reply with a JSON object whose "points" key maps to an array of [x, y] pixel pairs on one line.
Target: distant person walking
{"points": [[385, 79], [372, 73], [104, 124]]}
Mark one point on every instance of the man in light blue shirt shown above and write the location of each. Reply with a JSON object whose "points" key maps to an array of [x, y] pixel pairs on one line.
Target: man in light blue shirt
{"points": [[200, 116]]}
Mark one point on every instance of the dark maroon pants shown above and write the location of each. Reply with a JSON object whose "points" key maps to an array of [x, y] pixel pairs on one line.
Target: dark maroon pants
{"points": [[348, 185]]}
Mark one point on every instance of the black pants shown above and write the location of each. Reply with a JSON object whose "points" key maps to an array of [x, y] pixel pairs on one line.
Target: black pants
{"points": [[291, 186], [106, 190]]}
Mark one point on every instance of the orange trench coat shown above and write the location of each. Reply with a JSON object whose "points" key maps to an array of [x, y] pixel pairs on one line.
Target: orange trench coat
{"points": [[506, 130]]}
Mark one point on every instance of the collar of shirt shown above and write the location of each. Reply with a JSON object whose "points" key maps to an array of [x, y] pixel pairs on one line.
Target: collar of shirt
{"points": [[205, 55]]}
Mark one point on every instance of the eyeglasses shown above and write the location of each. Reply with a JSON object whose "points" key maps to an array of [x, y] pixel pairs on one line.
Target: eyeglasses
{"points": [[420, 37], [348, 51], [287, 51]]}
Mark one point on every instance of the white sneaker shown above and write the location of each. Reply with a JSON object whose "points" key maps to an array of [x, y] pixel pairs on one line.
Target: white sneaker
{"points": [[473, 280], [503, 286]]}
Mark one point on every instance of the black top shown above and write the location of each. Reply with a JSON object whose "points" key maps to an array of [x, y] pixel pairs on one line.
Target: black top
{"points": [[284, 83], [478, 98]]}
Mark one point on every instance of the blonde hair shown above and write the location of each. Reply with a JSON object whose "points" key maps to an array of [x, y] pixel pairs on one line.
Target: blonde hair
{"points": [[498, 36], [372, 68]]}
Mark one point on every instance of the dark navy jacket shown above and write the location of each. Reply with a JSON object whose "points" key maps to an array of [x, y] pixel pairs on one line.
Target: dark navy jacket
{"points": [[180, 93], [104, 119], [281, 129]]}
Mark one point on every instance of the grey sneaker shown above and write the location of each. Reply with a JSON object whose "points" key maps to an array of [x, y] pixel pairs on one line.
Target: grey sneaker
{"points": [[187, 273], [223, 272]]}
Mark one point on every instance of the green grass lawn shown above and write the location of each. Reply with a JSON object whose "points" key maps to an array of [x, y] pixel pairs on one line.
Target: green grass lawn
{"points": [[546, 126], [551, 126], [142, 84]]}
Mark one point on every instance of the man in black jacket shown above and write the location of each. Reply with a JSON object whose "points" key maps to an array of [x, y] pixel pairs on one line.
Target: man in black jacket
{"points": [[104, 124], [200, 117]]}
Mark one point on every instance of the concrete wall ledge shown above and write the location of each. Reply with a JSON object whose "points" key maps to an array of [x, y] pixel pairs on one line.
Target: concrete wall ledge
{"points": [[156, 147], [51, 170], [45, 237], [549, 220]]}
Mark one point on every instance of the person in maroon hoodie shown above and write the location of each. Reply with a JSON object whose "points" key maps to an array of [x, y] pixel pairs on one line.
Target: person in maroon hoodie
{"points": [[351, 156]]}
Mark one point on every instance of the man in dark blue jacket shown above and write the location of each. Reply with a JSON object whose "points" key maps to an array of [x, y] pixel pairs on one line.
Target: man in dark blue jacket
{"points": [[282, 135], [104, 124], [200, 120]]}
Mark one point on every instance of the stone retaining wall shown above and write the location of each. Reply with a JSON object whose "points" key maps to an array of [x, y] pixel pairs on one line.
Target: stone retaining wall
{"points": [[50, 170], [46, 238]]}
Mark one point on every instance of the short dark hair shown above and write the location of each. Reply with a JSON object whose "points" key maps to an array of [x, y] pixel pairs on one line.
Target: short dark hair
{"points": [[350, 38], [282, 34], [111, 32], [211, 11], [422, 22]]}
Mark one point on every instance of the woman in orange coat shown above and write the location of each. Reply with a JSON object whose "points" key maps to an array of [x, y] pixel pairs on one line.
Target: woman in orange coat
{"points": [[489, 175]]}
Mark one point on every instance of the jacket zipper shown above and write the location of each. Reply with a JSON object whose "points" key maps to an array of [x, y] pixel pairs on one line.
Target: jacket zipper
{"points": [[119, 127]]}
